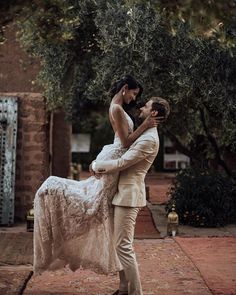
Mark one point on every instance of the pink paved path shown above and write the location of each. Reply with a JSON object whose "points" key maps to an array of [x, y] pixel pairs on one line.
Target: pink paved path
{"points": [[164, 269], [197, 266], [216, 260]]}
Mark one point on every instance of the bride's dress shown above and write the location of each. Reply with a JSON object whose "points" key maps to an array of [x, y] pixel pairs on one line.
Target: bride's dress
{"points": [[73, 223]]}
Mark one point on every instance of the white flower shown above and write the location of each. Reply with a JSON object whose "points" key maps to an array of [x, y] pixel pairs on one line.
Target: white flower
{"points": [[130, 12]]}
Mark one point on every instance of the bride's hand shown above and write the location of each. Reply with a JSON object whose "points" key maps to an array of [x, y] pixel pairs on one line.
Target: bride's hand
{"points": [[91, 170], [92, 173]]}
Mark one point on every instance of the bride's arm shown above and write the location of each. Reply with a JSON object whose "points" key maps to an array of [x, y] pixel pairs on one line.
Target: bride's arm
{"points": [[121, 126]]}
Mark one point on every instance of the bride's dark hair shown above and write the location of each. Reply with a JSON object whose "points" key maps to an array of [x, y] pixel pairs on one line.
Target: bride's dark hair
{"points": [[126, 79]]}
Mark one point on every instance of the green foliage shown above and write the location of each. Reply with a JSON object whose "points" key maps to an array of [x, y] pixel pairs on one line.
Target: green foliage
{"points": [[85, 45], [62, 35], [206, 17], [203, 198], [9, 11], [196, 75]]}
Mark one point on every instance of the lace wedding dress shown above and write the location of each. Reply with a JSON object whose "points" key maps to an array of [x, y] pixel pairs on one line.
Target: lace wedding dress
{"points": [[73, 222]]}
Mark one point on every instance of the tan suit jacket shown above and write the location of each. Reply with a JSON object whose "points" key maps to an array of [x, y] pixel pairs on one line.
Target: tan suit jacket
{"points": [[134, 165]]}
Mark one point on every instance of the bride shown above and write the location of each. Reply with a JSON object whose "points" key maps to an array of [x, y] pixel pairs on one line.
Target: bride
{"points": [[73, 223]]}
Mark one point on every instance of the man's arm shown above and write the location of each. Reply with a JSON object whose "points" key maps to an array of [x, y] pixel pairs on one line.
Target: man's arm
{"points": [[137, 152]]}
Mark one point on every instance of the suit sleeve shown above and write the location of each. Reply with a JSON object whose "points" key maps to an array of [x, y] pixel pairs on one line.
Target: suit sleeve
{"points": [[137, 152]]}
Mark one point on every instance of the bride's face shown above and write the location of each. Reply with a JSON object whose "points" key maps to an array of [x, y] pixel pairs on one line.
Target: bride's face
{"points": [[130, 94]]}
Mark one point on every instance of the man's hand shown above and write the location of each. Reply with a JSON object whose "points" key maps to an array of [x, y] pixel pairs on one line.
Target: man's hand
{"points": [[160, 120], [152, 121]]}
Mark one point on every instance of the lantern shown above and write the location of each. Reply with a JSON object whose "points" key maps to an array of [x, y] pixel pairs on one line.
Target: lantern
{"points": [[172, 222], [30, 220]]}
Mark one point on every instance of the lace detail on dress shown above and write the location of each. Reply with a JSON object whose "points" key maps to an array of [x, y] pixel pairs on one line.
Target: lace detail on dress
{"points": [[74, 220]]}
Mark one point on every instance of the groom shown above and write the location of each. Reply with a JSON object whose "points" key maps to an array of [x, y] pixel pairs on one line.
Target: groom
{"points": [[131, 196]]}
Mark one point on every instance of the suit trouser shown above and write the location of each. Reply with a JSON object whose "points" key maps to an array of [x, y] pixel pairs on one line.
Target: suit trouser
{"points": [[124, 224]]}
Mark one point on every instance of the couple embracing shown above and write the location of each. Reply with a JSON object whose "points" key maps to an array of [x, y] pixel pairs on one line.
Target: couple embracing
{"points": [[90, 223]]}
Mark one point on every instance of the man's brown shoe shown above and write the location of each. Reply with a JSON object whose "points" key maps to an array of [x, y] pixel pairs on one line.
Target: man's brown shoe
{"points": [[117, 293]]}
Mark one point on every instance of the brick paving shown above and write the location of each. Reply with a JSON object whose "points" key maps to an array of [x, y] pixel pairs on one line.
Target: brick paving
{"points": [[16, 248], [189, 265], [216, 260], [164, 269], [13, 278]]}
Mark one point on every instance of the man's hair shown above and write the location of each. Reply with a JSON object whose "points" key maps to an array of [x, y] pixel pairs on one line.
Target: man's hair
{"points": [[162, 106]]}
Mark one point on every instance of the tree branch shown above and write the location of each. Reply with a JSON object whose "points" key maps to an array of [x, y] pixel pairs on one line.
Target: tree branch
{"points": [[179, 146]]}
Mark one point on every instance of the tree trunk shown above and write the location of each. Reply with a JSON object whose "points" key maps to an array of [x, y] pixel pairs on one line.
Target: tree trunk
{"points": [[214, 144]]}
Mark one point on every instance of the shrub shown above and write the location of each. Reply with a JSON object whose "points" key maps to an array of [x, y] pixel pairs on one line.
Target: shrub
{"points": [[203, 198]]}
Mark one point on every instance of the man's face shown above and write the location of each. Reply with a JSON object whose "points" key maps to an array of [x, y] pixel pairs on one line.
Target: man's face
{"points": [[146, 110]]}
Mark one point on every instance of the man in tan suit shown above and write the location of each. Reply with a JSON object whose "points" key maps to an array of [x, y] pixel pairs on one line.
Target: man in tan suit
{"points": [[131, 195]]}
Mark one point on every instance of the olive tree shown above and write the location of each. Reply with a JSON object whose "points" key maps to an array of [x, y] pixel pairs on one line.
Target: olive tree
{"points": [[195, 74], [85, 45]]}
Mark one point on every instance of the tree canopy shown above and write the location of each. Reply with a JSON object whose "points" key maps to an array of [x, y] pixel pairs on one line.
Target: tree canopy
{"points": [[180, 53], [196, 74]]}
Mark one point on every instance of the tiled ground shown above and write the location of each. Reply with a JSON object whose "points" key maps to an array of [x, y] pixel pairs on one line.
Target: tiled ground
{"points": [[164, 269], [216, 260], [198, 266]]}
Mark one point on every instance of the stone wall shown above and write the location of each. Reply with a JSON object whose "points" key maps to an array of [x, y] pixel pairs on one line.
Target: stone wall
{"points": [[32, 153]]}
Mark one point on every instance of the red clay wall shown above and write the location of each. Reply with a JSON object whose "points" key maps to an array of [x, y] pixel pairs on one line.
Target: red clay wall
{"points": [[17, 68], [32, 154], [18, 72], [61, 145]]}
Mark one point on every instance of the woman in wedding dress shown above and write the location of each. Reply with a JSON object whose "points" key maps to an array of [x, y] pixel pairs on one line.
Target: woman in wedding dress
{"points": [[73, 222]]}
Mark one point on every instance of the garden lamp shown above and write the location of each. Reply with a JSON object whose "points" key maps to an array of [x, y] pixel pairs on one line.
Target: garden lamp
{"points": [[30, 220], [172, 222]]}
